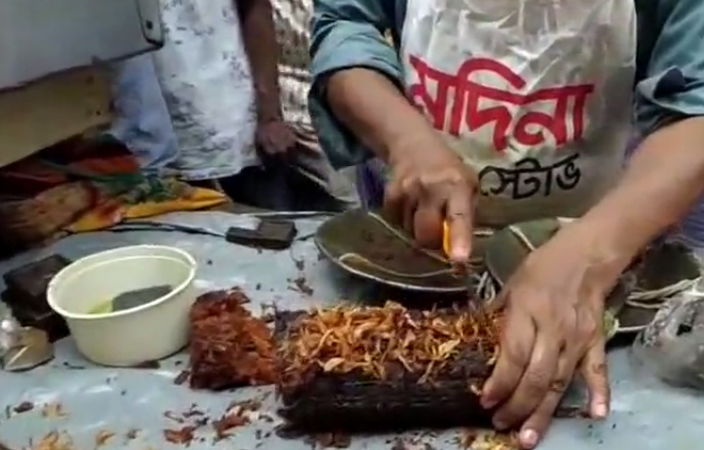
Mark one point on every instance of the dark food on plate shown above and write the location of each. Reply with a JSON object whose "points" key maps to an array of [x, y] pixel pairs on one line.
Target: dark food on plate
{"points": [[383, 367], [229, 347]]}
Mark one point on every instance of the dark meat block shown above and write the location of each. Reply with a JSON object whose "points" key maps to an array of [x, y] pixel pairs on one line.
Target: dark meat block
{"points": [[27, 284], [370, 369], [229, 347], [26, 295]]}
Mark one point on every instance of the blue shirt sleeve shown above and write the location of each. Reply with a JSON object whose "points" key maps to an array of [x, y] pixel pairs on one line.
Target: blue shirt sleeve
{"points": [[672, 84], [347, 34]]}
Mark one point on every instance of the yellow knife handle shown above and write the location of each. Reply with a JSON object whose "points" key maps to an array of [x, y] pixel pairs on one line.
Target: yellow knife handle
{"points": [[446, 238]]}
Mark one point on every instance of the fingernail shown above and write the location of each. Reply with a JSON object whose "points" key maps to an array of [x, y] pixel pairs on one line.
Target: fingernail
{"points": [[488, 403], [528, 438], [600, 411], [460, 254]]}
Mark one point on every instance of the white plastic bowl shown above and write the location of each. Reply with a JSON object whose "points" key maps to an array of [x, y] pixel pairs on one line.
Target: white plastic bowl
{"points": [[125, 338]]}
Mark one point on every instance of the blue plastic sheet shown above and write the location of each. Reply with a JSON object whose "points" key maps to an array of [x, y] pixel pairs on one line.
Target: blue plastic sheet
{"points": [[96, 407]]}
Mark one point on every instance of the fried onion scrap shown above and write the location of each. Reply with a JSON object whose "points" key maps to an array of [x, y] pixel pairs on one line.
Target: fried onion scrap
{"points": [[367, 339], [229, 347]]}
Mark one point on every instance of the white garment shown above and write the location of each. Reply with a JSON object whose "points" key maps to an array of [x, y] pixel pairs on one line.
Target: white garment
{"points": [[207, 83], [535, 95]]}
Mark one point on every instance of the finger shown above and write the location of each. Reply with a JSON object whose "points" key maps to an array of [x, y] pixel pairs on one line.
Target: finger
{"points": [[427, 222], [534, 429], [516, 347], [535, 383], [459, 215], [410, 206], [393, 202], [594, 370]]}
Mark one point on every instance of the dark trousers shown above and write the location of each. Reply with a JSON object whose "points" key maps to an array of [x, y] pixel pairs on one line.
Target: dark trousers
{"points": [[278, 187]]}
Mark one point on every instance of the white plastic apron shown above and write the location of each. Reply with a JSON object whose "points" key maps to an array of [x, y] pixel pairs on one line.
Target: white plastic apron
{"points": [[535, 95]]}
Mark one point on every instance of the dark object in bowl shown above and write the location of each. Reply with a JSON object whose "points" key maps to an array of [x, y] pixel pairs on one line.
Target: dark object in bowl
{"points": [[26, 295], [356, 401], [139, 297]]}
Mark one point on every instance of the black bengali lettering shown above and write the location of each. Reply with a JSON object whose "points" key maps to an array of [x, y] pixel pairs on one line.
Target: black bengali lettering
{"points": [[528, 178]]}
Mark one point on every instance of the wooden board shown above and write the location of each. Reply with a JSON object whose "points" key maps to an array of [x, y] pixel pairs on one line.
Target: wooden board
{"points": [[52, 109]]}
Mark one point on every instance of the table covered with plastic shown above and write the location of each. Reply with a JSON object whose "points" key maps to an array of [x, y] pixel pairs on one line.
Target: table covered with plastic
{"points": [[71, 404]]}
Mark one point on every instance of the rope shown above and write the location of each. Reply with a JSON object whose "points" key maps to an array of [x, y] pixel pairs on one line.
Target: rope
{"points": [[415, 276], [487, 288], [432, 254]]}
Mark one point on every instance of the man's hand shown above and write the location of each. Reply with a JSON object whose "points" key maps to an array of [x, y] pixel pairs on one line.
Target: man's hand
{"points": [[276, 139], [553, 328], [431, 184]]}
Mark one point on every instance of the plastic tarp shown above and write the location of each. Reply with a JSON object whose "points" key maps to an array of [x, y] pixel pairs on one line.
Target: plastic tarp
{"points": [[97, 407]]}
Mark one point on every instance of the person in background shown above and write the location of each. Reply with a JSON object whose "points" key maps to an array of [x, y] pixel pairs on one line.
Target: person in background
{"points": [[521, 110], [292, 26], [218, 71], [142, 122]]}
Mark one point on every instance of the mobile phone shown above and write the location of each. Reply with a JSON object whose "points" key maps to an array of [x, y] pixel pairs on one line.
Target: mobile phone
{"points": [[269, 234]]}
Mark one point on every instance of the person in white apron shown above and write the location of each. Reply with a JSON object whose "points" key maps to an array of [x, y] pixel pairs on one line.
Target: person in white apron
{"points": [[497, 112]]}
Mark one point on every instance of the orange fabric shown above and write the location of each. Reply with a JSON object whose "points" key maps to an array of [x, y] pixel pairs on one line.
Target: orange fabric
{"points": [[121, 192]]}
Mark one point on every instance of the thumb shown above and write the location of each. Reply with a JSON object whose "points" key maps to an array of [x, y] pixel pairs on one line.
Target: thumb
{"points": [[593, 369]]}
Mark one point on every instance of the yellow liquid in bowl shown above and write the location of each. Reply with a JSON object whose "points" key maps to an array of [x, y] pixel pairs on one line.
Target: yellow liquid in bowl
{"points": [[104, 307]]}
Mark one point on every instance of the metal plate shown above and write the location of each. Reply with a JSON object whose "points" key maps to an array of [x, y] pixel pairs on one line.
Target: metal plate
{"points": [[644, 414], [382, 256]]}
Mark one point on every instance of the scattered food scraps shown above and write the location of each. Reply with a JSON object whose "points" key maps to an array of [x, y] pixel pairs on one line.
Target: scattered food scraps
{"points": [[236, 415], [329, 440], [23, 407], [131, 434], [473, 439], [193, 411], [173, 416], [183, 435], [103, 437], [399, 444], [53, 410], [227, 423], [182, 377], [302, 286], [54, 441], [300, 264]]}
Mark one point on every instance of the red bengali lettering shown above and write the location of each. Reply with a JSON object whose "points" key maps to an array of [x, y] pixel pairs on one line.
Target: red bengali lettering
{"points": [[465, 108], [435, 108]]}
